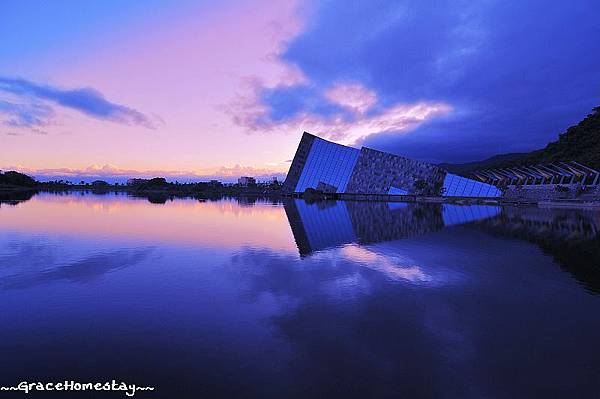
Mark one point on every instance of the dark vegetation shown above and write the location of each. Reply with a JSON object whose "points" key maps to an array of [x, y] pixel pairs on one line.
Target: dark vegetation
{"points": [[312, 195], [16, 179], [16, 187], [157, 189], [159, 185], [579, 143], [424, 187]]}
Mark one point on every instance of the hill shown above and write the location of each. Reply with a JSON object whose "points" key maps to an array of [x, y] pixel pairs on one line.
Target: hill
{"points": [[16, 179], [579, 143]]}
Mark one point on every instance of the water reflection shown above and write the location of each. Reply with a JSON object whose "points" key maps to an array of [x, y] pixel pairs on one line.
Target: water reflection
{"points": [[327, 224], [185, 221], [15, 197], [82, 270], [485, 331], [571, 237], [211, 298]]}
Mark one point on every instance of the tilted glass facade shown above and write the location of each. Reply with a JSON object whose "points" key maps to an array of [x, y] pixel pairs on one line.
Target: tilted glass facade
{"points": [[328, 163], [397, 191], [457, 186], [333, 168]]}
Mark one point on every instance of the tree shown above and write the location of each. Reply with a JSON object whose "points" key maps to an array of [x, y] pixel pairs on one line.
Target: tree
{"points": [[420, 185], [14, 178], [99, 183]]}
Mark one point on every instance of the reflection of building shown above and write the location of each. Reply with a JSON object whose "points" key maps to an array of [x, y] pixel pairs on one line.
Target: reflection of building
{"points": [[328, 224], [247, 181], [570, 236], [330, 167], [561, 224]]}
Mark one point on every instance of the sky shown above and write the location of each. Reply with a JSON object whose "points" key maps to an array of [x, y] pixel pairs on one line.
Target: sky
{"points": [[217, 89]]}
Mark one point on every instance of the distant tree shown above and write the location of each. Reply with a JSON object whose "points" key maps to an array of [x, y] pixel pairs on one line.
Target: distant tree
{"points": [[157, 181], [14, 178], [99, 183]]}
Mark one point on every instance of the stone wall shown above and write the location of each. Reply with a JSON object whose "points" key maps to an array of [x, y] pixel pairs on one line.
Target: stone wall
{"points": [[375, 172], [549, 192]]}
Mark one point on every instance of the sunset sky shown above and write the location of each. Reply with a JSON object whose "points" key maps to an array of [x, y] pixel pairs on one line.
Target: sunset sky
{"points": [[221, 89]]}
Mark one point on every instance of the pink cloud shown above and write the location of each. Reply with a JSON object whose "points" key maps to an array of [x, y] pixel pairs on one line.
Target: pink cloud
{"points": [[353, 96], [249, 112], [185, 66]]}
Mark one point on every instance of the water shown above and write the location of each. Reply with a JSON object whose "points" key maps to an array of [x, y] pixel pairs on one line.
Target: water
{"points": [[233, 298]]}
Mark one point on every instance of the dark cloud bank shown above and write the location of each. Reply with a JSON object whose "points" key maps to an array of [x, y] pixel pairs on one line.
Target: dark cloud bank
{"points": [[516, 73]]}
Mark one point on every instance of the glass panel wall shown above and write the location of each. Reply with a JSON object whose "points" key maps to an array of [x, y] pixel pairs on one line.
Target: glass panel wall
{"points": [[457, 186], [329, 163]]}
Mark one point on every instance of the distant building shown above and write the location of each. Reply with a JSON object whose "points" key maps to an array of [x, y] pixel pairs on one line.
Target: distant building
{"points": [[246, 181], [333, 168]]}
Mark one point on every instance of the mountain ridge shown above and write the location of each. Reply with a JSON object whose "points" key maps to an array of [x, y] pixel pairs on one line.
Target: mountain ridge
{"points": [[580, 143]]}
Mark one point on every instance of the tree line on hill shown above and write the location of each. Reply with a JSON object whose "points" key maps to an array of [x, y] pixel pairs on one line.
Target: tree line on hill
{"points": [[580, 143], [13, 180], [16, 179]]}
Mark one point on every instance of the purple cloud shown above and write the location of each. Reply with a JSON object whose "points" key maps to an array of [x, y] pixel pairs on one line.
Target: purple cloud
{"points": [[33, 109]]}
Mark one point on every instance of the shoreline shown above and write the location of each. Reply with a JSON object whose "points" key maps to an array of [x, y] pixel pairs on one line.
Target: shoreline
{"points": [[161, 195]]}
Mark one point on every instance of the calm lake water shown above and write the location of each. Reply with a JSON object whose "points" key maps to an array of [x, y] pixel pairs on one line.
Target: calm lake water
{"points": [[229, 298]]}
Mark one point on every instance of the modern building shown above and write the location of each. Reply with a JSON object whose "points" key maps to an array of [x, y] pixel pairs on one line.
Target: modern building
{"points": [[551, 173], [247, 181], [333, 168]]}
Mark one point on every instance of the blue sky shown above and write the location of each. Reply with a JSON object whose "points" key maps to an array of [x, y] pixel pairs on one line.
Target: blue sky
{"points": [[517, 73], [222, 88]]}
